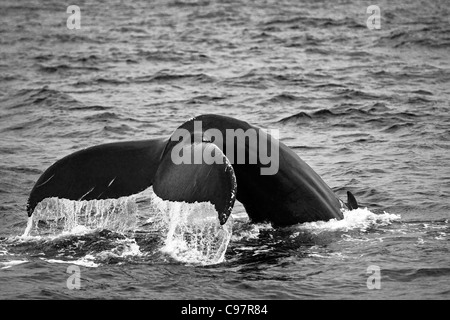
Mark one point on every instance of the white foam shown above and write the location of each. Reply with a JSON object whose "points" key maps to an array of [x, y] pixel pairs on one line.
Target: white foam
{"points": [[334, 255], [86, 261], [78, 231], [9, 264], [252, 232], [358, 219], [124, 248]]}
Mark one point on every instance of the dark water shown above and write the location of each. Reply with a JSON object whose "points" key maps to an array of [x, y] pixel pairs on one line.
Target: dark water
{"points": [[367, 109]]}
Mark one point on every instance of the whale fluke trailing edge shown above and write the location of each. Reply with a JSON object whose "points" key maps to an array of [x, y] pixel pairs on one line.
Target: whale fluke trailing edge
{"points": [[294, 194], [198, 182]]}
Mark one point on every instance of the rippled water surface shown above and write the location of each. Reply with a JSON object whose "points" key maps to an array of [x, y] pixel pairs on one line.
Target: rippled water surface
{"points": [[367, 109]]}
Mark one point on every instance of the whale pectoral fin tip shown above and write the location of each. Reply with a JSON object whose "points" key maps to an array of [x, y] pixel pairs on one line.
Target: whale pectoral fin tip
{"points": [[351, 201]]}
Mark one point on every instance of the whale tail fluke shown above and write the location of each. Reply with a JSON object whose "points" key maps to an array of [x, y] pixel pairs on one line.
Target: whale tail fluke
{"points": [[351, 201], [292, 194], [115, 170], [196, 181], [106, 171]]}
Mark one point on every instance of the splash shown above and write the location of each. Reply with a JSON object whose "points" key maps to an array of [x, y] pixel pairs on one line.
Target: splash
{"points": [[194, 234], [191, 232], [359, 219], [62, 216]]}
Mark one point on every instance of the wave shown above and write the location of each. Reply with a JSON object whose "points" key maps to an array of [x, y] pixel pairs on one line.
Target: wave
{"points": [[172, 56], [26, 125], [425, 37], [396, 127], [303, 116], [168, 77], [70, 37], [91, 108], [378, 115], [316, 22], [284, 97], [101, 80], [188, 3], [34, 111], [65, 68], [299, 117], [39, 97], [356, 94], [103, 117], [204, 99]]}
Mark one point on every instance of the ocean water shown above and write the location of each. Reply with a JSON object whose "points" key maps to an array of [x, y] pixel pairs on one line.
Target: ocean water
{"points": [[369, 110]]}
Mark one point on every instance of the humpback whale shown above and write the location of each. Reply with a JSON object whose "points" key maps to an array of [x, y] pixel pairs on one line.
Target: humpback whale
{"points": [[292, 194]]}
